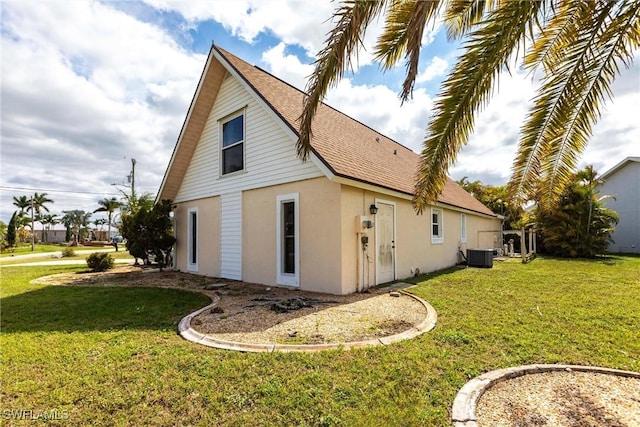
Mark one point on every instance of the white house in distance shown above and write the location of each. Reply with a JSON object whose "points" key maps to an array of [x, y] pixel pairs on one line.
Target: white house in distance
{"points": [[623, 182], [247, 208]]}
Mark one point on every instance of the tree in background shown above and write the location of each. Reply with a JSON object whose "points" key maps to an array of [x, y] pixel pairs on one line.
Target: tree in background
{"points": [[150, 232], [580, 225], [578, 47], [77, 221], [38, 203], [133, 203], [3, 234], [22, 202], [109, 206], [11, 231], [47, 222], [496, 199]]}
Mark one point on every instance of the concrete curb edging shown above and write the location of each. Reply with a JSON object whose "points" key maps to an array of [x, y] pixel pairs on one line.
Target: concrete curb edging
{"points": [[463, 411], [187, 332]]}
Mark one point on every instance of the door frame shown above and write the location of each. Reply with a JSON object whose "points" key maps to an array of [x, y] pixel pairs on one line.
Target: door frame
{"points": [[395, 263], [288, 279]]}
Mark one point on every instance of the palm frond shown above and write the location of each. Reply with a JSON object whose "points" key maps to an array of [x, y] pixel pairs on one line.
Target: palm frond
{"points": [[568, 103], [465, 92], [402, 35], [462, 15], [353, 18]]}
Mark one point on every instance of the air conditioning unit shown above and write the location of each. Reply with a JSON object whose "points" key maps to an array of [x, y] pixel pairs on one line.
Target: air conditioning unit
{"points": [[482, 258]]}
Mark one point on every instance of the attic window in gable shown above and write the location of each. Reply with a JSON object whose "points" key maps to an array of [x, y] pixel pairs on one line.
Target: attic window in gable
{"points": [[232, 136]]}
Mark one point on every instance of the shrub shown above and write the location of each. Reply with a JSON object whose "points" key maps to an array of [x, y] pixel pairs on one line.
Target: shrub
{"points": [[100, 261], [68, 252]]}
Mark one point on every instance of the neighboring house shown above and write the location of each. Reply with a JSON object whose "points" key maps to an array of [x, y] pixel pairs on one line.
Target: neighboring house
{"points": [[247, 208], [51, 236], [623, 182]]}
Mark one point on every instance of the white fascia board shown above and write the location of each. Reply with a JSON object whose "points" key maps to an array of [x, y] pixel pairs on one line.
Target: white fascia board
{"points": [[186, 122]]}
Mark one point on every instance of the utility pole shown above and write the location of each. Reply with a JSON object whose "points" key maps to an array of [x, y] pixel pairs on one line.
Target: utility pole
{"points": [[132, 178], [32, 226]]}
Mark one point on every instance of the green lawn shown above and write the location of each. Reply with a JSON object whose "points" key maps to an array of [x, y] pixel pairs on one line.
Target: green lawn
{"points": [[111, 355], [79, 255], [26, 249], [44, 247]]}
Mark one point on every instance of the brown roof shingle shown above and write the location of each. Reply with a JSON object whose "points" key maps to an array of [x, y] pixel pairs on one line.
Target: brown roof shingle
{"points": [[348, 148]]}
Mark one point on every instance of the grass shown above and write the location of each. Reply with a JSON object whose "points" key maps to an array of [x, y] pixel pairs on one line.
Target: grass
{"points": [[26, 249], [112, 356], [46, 247], [79, 255]]}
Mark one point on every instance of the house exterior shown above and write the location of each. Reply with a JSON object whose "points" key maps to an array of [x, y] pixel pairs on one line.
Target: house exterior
{"points": [[51, 236], [247, 208], [623, 182]]}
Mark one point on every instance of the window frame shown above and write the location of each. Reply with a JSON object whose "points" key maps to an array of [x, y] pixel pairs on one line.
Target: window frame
{"points": [[282, 278], [221, 122], [193, 242], [439, 238]]}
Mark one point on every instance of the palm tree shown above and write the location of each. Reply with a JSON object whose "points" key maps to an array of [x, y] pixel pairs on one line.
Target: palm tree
{"points": [[48, 221], [579, 46], [37, 205], [109, 206], [22, 202], [75, 220]]}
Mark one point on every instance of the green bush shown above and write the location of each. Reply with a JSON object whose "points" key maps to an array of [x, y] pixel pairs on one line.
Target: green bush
{"points": [[100, 261], [68, 252]]}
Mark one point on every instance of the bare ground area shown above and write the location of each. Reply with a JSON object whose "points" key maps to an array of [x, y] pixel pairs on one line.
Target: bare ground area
{"points": [[245, 314], [562, 399]]}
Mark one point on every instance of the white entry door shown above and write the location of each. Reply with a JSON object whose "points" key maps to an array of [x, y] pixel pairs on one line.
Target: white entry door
{"points": [[385, 243]]}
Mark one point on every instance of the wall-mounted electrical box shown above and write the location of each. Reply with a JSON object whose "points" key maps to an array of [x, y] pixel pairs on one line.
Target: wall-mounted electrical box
{"points": [[363, 223]]}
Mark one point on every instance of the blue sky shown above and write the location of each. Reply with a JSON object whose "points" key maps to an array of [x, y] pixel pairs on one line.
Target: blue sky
{"points": [[86, 86]]}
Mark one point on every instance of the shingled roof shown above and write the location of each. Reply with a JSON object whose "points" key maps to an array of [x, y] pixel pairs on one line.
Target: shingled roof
{"points": [[348, 148]]}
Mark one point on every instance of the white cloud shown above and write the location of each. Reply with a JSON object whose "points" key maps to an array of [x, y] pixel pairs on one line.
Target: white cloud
{"points": [[84, 88], [304, 23], [287, 67], [435, 69], [379, 107]]}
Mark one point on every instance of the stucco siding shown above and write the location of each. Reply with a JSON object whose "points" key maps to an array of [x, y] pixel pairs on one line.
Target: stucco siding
{"points": [[319, 228], [270, 155], [413, 243], [208, 235], [624, 185], [358, 266]]}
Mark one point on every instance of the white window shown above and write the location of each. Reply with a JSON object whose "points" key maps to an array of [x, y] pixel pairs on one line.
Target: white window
{"points": [[232, 146], [288, 240], [437, 232], [192, 239], [463, 228]]}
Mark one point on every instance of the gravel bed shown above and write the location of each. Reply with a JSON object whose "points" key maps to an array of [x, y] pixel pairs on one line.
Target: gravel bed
{"points": [[562, 399], [338, 319]]}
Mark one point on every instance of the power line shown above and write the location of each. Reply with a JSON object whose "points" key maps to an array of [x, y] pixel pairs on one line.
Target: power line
{"points": [[2, 187]]}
